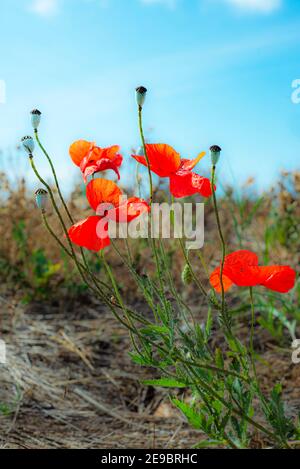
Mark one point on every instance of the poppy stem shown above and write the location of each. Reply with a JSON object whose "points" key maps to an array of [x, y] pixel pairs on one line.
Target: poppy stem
{"points": [[54, 174], [61, 196], [59, 216], [154, 249], [145, 153], [224, 310], [130, 326], [98, 282], [252, 332], [213, 177]]}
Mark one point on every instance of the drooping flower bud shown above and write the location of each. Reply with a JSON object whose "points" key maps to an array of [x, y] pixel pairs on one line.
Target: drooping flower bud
{"points": [[35, 118], [215, 152], [140, 94], [41, 198], [28, 144], [186, 275]]}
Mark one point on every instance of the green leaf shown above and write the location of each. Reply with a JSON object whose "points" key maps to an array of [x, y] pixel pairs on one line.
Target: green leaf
{"points": [[164, 383], [193, 417], [155, 330], [209, 323], [139, 359], [219, 358], [207, 443]]}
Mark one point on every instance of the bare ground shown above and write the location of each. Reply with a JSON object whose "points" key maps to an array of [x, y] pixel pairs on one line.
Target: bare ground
{"points": [[69, 382]]}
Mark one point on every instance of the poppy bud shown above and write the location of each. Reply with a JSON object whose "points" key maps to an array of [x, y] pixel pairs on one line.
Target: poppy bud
{"points": [[35, 118], [140, 94], [186, 275], [28, 144], [215, 152], [41, 198]]}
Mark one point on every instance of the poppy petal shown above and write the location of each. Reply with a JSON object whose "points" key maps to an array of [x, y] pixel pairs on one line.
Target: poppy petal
{"points": [[90, 234], [215, 281], [242, 268], [163, 159], [102, 165], [185, 183], [278, 278], [188, 165], [79, 150], [243, 256], [100, 191], [128, 210], [96, 154]]}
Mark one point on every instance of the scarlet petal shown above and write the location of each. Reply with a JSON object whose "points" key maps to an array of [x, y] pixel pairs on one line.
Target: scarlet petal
{"points": [[100, 191], [278, 278], [163, 159], [185, 183], [215, 281], [101, 165], [109, 153], [190, 164], [243, 256], [90, 234], [79, 150], [242, 268], [128, 210], [101, 159]]}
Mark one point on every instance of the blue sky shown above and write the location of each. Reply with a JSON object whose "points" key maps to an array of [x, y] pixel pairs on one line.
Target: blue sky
{"points": [[217, 71]]}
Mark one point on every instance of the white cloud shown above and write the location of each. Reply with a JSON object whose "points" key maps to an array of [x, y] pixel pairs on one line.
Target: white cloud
{"points": [[44, 7], [167, 3], [259, 6]]}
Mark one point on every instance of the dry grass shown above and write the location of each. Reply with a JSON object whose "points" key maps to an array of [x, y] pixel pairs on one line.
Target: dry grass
{"points": [[69, 382]]}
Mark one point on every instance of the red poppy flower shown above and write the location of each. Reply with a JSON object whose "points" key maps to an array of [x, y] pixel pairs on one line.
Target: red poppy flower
{"points": [[166, 162], [241, 268], [105, 197], [92, 159]]}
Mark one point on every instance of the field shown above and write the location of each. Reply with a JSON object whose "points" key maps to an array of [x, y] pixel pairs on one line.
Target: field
{"points": [[70, 382]]}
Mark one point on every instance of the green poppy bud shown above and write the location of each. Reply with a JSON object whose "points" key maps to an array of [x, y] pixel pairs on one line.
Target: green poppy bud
{"points": [[186, 275], [41, 198], [215, 152], [35, 118], [140, 94], [28, 144]]}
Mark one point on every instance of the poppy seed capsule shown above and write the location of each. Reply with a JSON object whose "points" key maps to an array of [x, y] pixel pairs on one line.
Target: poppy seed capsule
{"points": [[41, 198], [186, 275], [35, 118], [140, 94], [28, 144], [215, 152]]}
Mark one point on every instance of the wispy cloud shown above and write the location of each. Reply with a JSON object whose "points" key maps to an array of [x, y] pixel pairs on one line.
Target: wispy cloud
{"points": [[255, 6], [44, 7], [167, 3]]}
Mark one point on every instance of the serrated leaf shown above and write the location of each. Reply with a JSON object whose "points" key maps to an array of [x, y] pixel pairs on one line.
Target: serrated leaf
{"points": [[164, 383], [193, 417]]}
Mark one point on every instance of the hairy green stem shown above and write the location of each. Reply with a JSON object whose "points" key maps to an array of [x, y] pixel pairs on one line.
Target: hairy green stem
{"points": [[61, 197], [145, 153], [213, 177], [252, 333]]}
